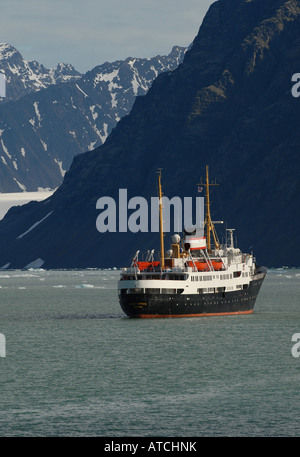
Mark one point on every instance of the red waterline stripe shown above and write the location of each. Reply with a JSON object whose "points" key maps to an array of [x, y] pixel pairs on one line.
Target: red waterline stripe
{"points": [[157, 316]]}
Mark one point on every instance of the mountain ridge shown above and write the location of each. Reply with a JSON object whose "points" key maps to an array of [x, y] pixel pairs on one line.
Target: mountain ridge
{"points": [[24, 76], [229, 106], [42, 130]]}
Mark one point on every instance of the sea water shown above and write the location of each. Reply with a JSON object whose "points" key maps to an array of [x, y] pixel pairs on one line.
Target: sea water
{"points": [[75, 365]]}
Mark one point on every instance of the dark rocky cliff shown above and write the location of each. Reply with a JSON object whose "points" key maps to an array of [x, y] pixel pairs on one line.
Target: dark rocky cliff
{"points": [[229, 105]]}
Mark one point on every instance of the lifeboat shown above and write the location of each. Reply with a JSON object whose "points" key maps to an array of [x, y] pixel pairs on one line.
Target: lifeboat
{"points": [[147, 265], [204, 266], [217, 264]]}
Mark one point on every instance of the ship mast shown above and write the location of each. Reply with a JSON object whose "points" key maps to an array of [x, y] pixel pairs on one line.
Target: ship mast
{"points": [[208, 224], [162, 251]]}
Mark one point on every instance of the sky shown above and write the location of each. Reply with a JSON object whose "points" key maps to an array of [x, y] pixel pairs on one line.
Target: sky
{"points": [[90, 32]]}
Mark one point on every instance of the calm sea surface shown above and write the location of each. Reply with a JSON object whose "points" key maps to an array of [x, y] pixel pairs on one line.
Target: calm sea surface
{"points": [[75, 365]]}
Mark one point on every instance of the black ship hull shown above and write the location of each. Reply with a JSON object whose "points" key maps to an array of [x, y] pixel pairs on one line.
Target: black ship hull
{"points": [[149, 305]]}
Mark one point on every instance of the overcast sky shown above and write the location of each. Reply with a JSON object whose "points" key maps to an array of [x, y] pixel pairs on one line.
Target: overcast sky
{"points": [[89, 32]]}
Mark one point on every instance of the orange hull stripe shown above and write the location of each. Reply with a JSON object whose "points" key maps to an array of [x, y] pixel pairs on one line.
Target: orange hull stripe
{"points": [[157, 316]]}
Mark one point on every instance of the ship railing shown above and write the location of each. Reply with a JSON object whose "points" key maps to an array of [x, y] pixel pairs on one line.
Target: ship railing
{"points": [[128, 270]]}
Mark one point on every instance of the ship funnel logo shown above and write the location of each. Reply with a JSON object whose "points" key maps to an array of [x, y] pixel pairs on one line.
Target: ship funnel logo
{"points": [[139, 215]]}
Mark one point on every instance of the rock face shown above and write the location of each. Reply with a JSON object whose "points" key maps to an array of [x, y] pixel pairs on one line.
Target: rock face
{"points": [[228, 105], [45, 123]]}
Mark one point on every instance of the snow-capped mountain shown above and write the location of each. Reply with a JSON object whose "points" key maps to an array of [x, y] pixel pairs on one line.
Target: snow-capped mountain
{"points": [[229, 106], [24, 76], [42, 131]]}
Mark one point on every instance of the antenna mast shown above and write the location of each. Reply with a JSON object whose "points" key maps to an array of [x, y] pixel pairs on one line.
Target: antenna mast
{"points": [[208, 222], [162, 250]]}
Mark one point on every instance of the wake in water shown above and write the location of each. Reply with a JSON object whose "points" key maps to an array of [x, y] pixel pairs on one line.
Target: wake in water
{"points": [[89, 316]]}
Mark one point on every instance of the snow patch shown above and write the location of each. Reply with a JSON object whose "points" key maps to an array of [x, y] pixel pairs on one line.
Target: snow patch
{"points": [[44, 145], [36, 109], [59, 163], [154, 70], [36, 263], [103, 134], [5, 149], [22, 187], [103, 137], [107, 77], [73, 106], [32, 227], [114, 102], [86, 95], [131, 63], [91, 146], [92, 109], [135, 85]]}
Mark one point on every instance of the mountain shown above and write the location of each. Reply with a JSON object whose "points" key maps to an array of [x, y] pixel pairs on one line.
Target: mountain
{"points": [[42, 131], [25, 76], [228, 105]]}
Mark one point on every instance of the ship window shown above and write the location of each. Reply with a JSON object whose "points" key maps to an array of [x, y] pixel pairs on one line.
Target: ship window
{"points": [[135, 291], [168, 291], [179, 277], [236, 274], [239, 286], [225, 276], [207, 278], [153, 291], [208, 290]]}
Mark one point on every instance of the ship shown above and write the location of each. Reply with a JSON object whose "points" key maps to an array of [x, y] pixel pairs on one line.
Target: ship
{"points": [[197, 277]]}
